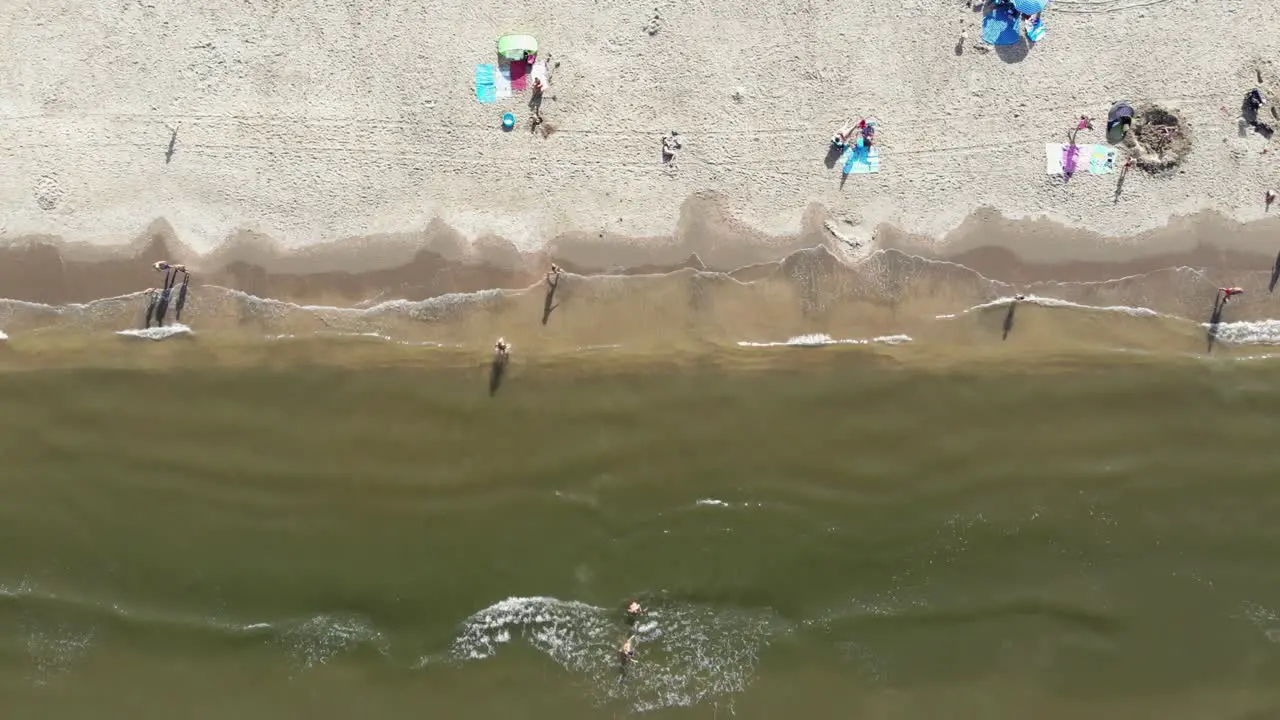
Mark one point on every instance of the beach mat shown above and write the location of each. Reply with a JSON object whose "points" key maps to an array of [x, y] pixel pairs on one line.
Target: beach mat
{"points": [[862, 160], [1102, 160], [485, 91], [519, 77], [502, 81], [1002, 27], [1064, 159]]}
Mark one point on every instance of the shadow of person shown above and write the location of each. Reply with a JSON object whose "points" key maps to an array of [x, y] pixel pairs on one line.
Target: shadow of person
{"points": [[153, 299], [497, 370], [173, 147], [1014, 53], [834, 152], [1215, 318], [1008, 320], [1119, 188], [1275, 274], [547, 306]]}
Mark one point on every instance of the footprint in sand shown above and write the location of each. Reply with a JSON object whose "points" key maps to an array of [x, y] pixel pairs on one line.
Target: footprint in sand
{"points": [[48, 192]]}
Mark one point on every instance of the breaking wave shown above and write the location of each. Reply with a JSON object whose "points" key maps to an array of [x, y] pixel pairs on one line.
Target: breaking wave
{"points": [[688, 654]]}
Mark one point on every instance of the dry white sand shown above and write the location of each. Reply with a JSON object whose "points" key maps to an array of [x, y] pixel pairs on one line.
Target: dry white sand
{"points": [[316, 120]]}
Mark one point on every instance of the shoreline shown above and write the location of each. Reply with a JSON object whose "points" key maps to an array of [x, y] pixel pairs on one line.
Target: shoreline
{"points": [[358, 271]]}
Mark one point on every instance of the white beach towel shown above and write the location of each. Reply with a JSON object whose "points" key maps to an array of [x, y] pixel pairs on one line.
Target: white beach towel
{"points": [[502, 81], [540, 73]]}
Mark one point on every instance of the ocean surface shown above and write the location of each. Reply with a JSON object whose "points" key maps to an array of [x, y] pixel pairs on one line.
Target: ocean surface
{"points": [[915, 499]]}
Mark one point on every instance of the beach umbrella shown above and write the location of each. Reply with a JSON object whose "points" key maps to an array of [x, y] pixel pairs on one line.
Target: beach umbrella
{"points": [[1030, 7], [514, 47], [1002, 27]]}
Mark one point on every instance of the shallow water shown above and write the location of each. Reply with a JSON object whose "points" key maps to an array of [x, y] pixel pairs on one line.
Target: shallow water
{"points": [[824, 532], [882, 491]]}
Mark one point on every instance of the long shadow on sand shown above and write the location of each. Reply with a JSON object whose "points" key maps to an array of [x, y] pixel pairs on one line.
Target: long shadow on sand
{"points": [[1008, 320], [833, 155], [1014, 53], [497, 371], [1219, 305], [1275, 274], [547, 306]]}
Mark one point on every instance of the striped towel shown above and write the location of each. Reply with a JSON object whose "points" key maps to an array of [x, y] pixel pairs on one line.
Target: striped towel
{"points": [[485, 90], [862, 161]]}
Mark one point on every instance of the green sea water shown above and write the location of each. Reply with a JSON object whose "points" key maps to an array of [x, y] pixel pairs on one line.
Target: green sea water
{"points": [[828, 534]]}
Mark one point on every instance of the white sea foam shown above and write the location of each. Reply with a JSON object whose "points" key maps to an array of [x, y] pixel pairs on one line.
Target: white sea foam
{"points": [[1053, 303], [1248, 332], [357, 335], [689, 653], [822, 340], [3, 337], [157, 333]]}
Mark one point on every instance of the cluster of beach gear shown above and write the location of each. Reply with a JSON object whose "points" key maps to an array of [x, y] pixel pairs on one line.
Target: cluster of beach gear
{"points": [[516, 69], [856, 143], [1009, 21]]}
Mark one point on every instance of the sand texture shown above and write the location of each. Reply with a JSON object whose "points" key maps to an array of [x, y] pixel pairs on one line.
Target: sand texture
{"points": [[314, 121]]}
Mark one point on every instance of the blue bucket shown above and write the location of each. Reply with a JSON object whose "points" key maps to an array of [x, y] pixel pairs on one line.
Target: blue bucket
{"points": [[508, 121]]}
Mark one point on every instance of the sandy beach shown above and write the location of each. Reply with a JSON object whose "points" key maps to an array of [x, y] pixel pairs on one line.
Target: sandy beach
{"points": [[354, 130]]}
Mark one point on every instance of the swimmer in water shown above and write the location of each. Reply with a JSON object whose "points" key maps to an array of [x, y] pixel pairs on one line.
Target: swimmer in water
{"points": [[626, 656], [634, 611]]}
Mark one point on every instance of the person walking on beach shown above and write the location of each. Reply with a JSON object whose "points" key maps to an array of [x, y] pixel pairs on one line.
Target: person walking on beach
{"points": [[553, 275], [501, 350], [1229, 292]]}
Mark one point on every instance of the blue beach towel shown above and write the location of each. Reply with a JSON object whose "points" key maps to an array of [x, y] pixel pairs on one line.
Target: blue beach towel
{"points": [[1002, 27], [862, 160], [1035, 32], [486, 91]]}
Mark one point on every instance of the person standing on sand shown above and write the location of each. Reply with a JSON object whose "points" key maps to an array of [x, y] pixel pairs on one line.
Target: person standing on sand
{"points": [[553, 275], [1229, 292], [501, 350]]}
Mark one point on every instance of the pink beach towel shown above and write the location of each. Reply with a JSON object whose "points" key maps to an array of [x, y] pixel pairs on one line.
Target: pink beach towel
{"points": [[519, 77]]}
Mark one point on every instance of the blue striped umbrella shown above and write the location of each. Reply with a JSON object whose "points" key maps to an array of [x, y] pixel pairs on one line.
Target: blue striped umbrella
{"points": [[1030, 7]]}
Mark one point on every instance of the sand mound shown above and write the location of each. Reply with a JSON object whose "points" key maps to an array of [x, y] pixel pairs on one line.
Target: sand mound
{"points": [[1159, 139]]}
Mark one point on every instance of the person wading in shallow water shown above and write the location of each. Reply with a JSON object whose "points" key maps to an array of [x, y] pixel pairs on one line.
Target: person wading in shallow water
{"points": [[626, 656], [1228, 293], [158, 306], [634, 611]]}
